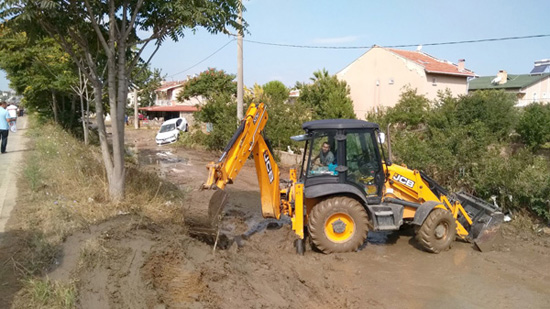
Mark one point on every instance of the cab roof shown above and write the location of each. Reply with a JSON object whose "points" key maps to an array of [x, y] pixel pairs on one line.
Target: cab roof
{"points": [[334, 124]]}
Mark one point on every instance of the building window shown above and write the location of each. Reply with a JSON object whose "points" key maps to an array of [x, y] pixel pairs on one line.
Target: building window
{"points": [[534, 97], [434, 82]]}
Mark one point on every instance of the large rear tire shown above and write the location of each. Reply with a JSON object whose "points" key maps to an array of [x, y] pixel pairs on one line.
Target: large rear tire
{"points": [[338, 224], [438, 231]]}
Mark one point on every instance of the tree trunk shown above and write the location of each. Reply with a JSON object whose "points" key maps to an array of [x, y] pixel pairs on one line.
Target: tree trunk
{"points": [[116, 176], [106, 154], [54, 103], [84, 117]]}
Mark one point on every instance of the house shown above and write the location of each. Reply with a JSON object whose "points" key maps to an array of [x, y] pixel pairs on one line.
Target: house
{"points": [[378, 77], [528, 88], [167, 106]]}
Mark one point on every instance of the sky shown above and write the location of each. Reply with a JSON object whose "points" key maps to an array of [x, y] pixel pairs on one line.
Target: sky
{"points": [[362, 23]]}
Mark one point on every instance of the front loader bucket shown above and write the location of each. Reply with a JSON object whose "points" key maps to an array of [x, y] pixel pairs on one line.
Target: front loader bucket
{"points": [[484, 231], [489, 232]]}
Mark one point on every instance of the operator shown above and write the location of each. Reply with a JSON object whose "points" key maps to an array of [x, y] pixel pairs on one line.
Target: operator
{"points": [[325, 156]]}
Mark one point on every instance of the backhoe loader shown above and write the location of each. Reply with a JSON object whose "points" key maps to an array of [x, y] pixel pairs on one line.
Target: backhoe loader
{"points": [[337, 203]]}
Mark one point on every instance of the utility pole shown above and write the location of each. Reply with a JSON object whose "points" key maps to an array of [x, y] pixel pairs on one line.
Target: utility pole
{"points": [[240, 84]]}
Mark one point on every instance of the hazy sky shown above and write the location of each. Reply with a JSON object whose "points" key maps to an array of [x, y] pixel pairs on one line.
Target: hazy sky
{"points": [[363, 23]]}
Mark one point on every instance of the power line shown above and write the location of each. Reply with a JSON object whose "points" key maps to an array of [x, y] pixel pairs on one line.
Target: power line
{"points": [[203, 60], [402, 45], [366, 47]]}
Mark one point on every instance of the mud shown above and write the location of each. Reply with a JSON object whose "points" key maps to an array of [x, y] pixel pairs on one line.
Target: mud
{"points": [[151, 266]]}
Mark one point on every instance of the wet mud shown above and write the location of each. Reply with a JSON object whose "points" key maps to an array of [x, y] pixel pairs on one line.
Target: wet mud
{"points": [[164, 267]]}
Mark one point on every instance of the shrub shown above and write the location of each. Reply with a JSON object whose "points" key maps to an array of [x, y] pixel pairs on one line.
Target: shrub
{"points": [[221, 112], [533, 125], [463, 144]]}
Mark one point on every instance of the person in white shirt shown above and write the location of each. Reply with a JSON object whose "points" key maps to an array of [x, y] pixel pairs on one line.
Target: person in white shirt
{"points": [[12, 111]]}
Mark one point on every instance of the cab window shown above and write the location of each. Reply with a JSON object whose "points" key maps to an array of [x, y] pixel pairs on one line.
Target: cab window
{"points": [[322, 160], [362, 161]]}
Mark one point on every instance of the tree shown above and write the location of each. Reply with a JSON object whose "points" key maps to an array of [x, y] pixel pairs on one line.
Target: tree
{"points": [[102, 36], [208, 84], [412, 109], [533, 125], [493, 108], [147, 82], [328, 97], [40, 71], [276, 91]]}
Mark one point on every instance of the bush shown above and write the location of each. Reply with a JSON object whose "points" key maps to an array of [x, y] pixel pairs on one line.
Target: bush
{"points": [[463, 144], [493, 108], [533, 127], [221, 112], [285, 120]]}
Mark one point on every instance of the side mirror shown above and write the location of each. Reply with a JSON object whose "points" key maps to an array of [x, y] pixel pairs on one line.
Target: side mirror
{"points": [[381, 137]]}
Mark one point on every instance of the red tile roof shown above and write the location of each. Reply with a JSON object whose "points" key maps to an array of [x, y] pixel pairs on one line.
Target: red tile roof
{"points": [[431, 64], [173, 108]]}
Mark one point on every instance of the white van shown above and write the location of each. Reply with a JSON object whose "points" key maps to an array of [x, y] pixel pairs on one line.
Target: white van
{"points": [[169, 131]]}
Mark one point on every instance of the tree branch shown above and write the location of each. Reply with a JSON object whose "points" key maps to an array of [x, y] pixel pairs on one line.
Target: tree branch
{"points": [[97, 29]]}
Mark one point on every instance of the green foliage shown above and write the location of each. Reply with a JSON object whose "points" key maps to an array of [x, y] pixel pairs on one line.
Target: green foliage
{"points": [[146, 81], [534, 125], [276, 91], [327, 97], [285, 120], [209, 84], [412, 109], [39, 70], [493, 108], [462, 142], [46, 293], [221, 113]]}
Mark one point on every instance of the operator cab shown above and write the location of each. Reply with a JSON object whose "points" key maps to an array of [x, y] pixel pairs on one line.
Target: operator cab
{"points": [[342, 155]]}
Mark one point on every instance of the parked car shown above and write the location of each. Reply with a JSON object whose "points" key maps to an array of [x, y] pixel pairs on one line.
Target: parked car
{"points": [[169, 131]]}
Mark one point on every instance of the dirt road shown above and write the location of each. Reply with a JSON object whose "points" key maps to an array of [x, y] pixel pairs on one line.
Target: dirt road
{"points": [[152, 266]]}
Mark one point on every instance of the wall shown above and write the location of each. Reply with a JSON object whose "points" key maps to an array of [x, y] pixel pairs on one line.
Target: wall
{"points": [[378, 77], [539, 92]]}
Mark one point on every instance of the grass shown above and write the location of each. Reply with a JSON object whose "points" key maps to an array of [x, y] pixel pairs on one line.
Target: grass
{"points": [[45, 293], [63, 189]]}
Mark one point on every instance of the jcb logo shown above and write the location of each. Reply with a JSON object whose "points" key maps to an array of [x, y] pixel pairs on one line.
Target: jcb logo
{"points": [[407, 182], [268, 167]]}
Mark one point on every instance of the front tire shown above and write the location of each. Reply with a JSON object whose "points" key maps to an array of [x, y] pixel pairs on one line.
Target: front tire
{"points": [[338, 224], [438, 231]]}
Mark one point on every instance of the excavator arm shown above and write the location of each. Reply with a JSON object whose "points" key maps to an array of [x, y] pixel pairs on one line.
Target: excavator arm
{"points": [[247, 140]]}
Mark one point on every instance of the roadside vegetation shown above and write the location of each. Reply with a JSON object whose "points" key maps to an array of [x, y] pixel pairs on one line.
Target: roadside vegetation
{"points": [[324, 97], [63, 189], [480, 143]]}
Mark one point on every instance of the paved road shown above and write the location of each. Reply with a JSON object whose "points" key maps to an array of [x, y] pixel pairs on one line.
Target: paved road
{"points": [[10, 169]]}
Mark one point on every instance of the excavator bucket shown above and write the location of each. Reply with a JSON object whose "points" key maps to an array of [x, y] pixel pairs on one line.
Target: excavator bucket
{"points": [[486, 220], [204, 225], [216, 205]]}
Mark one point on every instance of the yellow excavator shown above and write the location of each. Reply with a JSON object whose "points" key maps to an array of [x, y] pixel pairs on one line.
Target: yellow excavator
{"points": [[346, 188]]}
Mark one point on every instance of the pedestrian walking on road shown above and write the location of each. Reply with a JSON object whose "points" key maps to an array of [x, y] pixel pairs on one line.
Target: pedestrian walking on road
{"points": [[4, 126], [12, 111]]}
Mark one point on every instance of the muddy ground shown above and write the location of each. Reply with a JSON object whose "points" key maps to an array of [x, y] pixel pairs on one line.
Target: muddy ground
{"points": [[140, 264]]}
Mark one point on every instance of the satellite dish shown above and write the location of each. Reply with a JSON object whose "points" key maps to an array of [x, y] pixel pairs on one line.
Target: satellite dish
{"points": [[496, 80], [419, 47]]}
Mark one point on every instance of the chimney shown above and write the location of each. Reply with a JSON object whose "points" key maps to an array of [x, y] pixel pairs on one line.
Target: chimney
{"points": [[502, 77], [461, 65]]}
